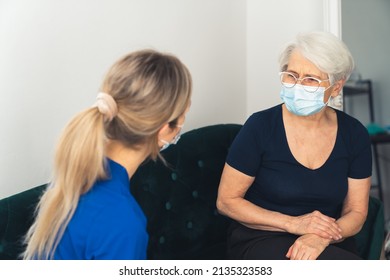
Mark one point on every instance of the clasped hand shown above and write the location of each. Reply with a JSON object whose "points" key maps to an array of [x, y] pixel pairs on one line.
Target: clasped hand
{"points": [[316, 223], [307, 247], [317, 231]]}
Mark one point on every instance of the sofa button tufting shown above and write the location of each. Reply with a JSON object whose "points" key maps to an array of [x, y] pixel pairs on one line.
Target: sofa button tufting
{"points": [[174, 176], [195, 194], [161, 240], [200, 163], [189, 225], [168, 205]]}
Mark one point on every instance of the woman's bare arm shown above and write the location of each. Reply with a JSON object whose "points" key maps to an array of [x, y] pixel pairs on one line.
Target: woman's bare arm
{"points": [[231, 202]]}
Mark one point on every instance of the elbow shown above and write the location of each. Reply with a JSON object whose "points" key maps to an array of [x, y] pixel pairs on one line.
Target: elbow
{"points": [[221, 206], [363, 221], [356, 222], [362, 216]]}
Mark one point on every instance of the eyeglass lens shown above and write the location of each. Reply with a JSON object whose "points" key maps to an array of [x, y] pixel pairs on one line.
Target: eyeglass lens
{"points": [[308, 83]]}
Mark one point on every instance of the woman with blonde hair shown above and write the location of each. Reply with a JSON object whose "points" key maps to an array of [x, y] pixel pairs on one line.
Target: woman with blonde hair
{"points": [[88, 212]]}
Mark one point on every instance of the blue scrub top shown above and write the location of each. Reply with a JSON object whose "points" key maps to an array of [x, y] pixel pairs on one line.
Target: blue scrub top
{"points": [[108, 223]]}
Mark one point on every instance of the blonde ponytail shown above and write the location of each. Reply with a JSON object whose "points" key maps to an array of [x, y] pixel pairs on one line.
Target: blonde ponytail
{"points": [[141, 93], [79, 162]]}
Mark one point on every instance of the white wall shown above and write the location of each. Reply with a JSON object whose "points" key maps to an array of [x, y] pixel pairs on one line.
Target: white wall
{"points": [[53, 55], [270, 24]]}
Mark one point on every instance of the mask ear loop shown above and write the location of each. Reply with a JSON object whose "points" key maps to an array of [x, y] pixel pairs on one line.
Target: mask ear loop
{"points": [[327, 102], [173, 141], [330, 96]]}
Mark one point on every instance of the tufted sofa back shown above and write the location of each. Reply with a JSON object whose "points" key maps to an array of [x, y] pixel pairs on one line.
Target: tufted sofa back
{"points": [[179, 200], [179, 203]]}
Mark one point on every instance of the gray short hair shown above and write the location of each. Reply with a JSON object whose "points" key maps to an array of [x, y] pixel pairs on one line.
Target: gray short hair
{"points": [[324, 50]]}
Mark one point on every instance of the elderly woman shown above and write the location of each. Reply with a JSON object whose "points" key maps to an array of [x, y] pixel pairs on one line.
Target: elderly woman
{"points": [[297, 177]]}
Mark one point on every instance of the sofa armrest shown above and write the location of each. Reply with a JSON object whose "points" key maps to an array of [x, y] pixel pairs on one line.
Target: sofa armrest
{"points": [[16, 214], [370, 238]]}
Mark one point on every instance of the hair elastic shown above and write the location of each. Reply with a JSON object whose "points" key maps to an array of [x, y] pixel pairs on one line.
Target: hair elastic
{"points": [[106, 105]]}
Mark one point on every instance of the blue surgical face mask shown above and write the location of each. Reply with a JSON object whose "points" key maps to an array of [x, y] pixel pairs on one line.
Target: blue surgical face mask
{"points": [[174, 140], [301, 102]]}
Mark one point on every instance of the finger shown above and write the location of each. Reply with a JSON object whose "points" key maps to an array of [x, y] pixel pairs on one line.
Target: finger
{"points": [[332, 231], [327, 232], [288, 255], [305, 256], [323, 219], [294, 253], [325, 225]]}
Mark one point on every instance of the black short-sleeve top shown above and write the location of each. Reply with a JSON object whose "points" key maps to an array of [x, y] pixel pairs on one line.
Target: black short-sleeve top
{"points": [[284, 185]]}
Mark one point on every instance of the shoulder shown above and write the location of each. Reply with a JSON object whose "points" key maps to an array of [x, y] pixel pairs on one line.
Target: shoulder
{"points": [[111, 203], [267, 114], [350, 124], [120, 211], [265, 119], [260, 127], [354, 134], [118, 231], [120, 220]]}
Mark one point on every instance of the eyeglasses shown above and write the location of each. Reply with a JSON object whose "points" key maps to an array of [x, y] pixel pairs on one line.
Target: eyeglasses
{"points": [[309, 84]]}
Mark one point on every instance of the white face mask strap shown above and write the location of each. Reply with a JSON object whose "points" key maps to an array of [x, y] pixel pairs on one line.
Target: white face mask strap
{"points": [[330, 96], [327, 102]]}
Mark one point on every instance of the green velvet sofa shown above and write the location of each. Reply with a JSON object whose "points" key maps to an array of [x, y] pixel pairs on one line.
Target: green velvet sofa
{"points": [[179, 202]]}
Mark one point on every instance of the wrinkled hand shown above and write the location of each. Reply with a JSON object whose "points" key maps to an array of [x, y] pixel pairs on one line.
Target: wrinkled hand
{"points": [[307, 247], [316, 223]]}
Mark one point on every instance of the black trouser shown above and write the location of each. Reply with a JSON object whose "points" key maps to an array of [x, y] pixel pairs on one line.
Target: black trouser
{"points": [[251, 244]]}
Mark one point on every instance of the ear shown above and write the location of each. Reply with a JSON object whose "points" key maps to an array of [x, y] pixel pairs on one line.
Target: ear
{"points": [[164, 131], [337, 87]]}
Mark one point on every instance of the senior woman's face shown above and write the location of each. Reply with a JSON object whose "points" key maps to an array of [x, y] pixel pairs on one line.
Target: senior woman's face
{"points": [[301, 68]]}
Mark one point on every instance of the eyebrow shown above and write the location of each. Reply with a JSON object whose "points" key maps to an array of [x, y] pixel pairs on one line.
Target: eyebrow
{"points": [[306, 75]]}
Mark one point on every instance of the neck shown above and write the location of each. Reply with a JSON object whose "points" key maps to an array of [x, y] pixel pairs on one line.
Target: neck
{"points": [[129, 158], [309, 122]]}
